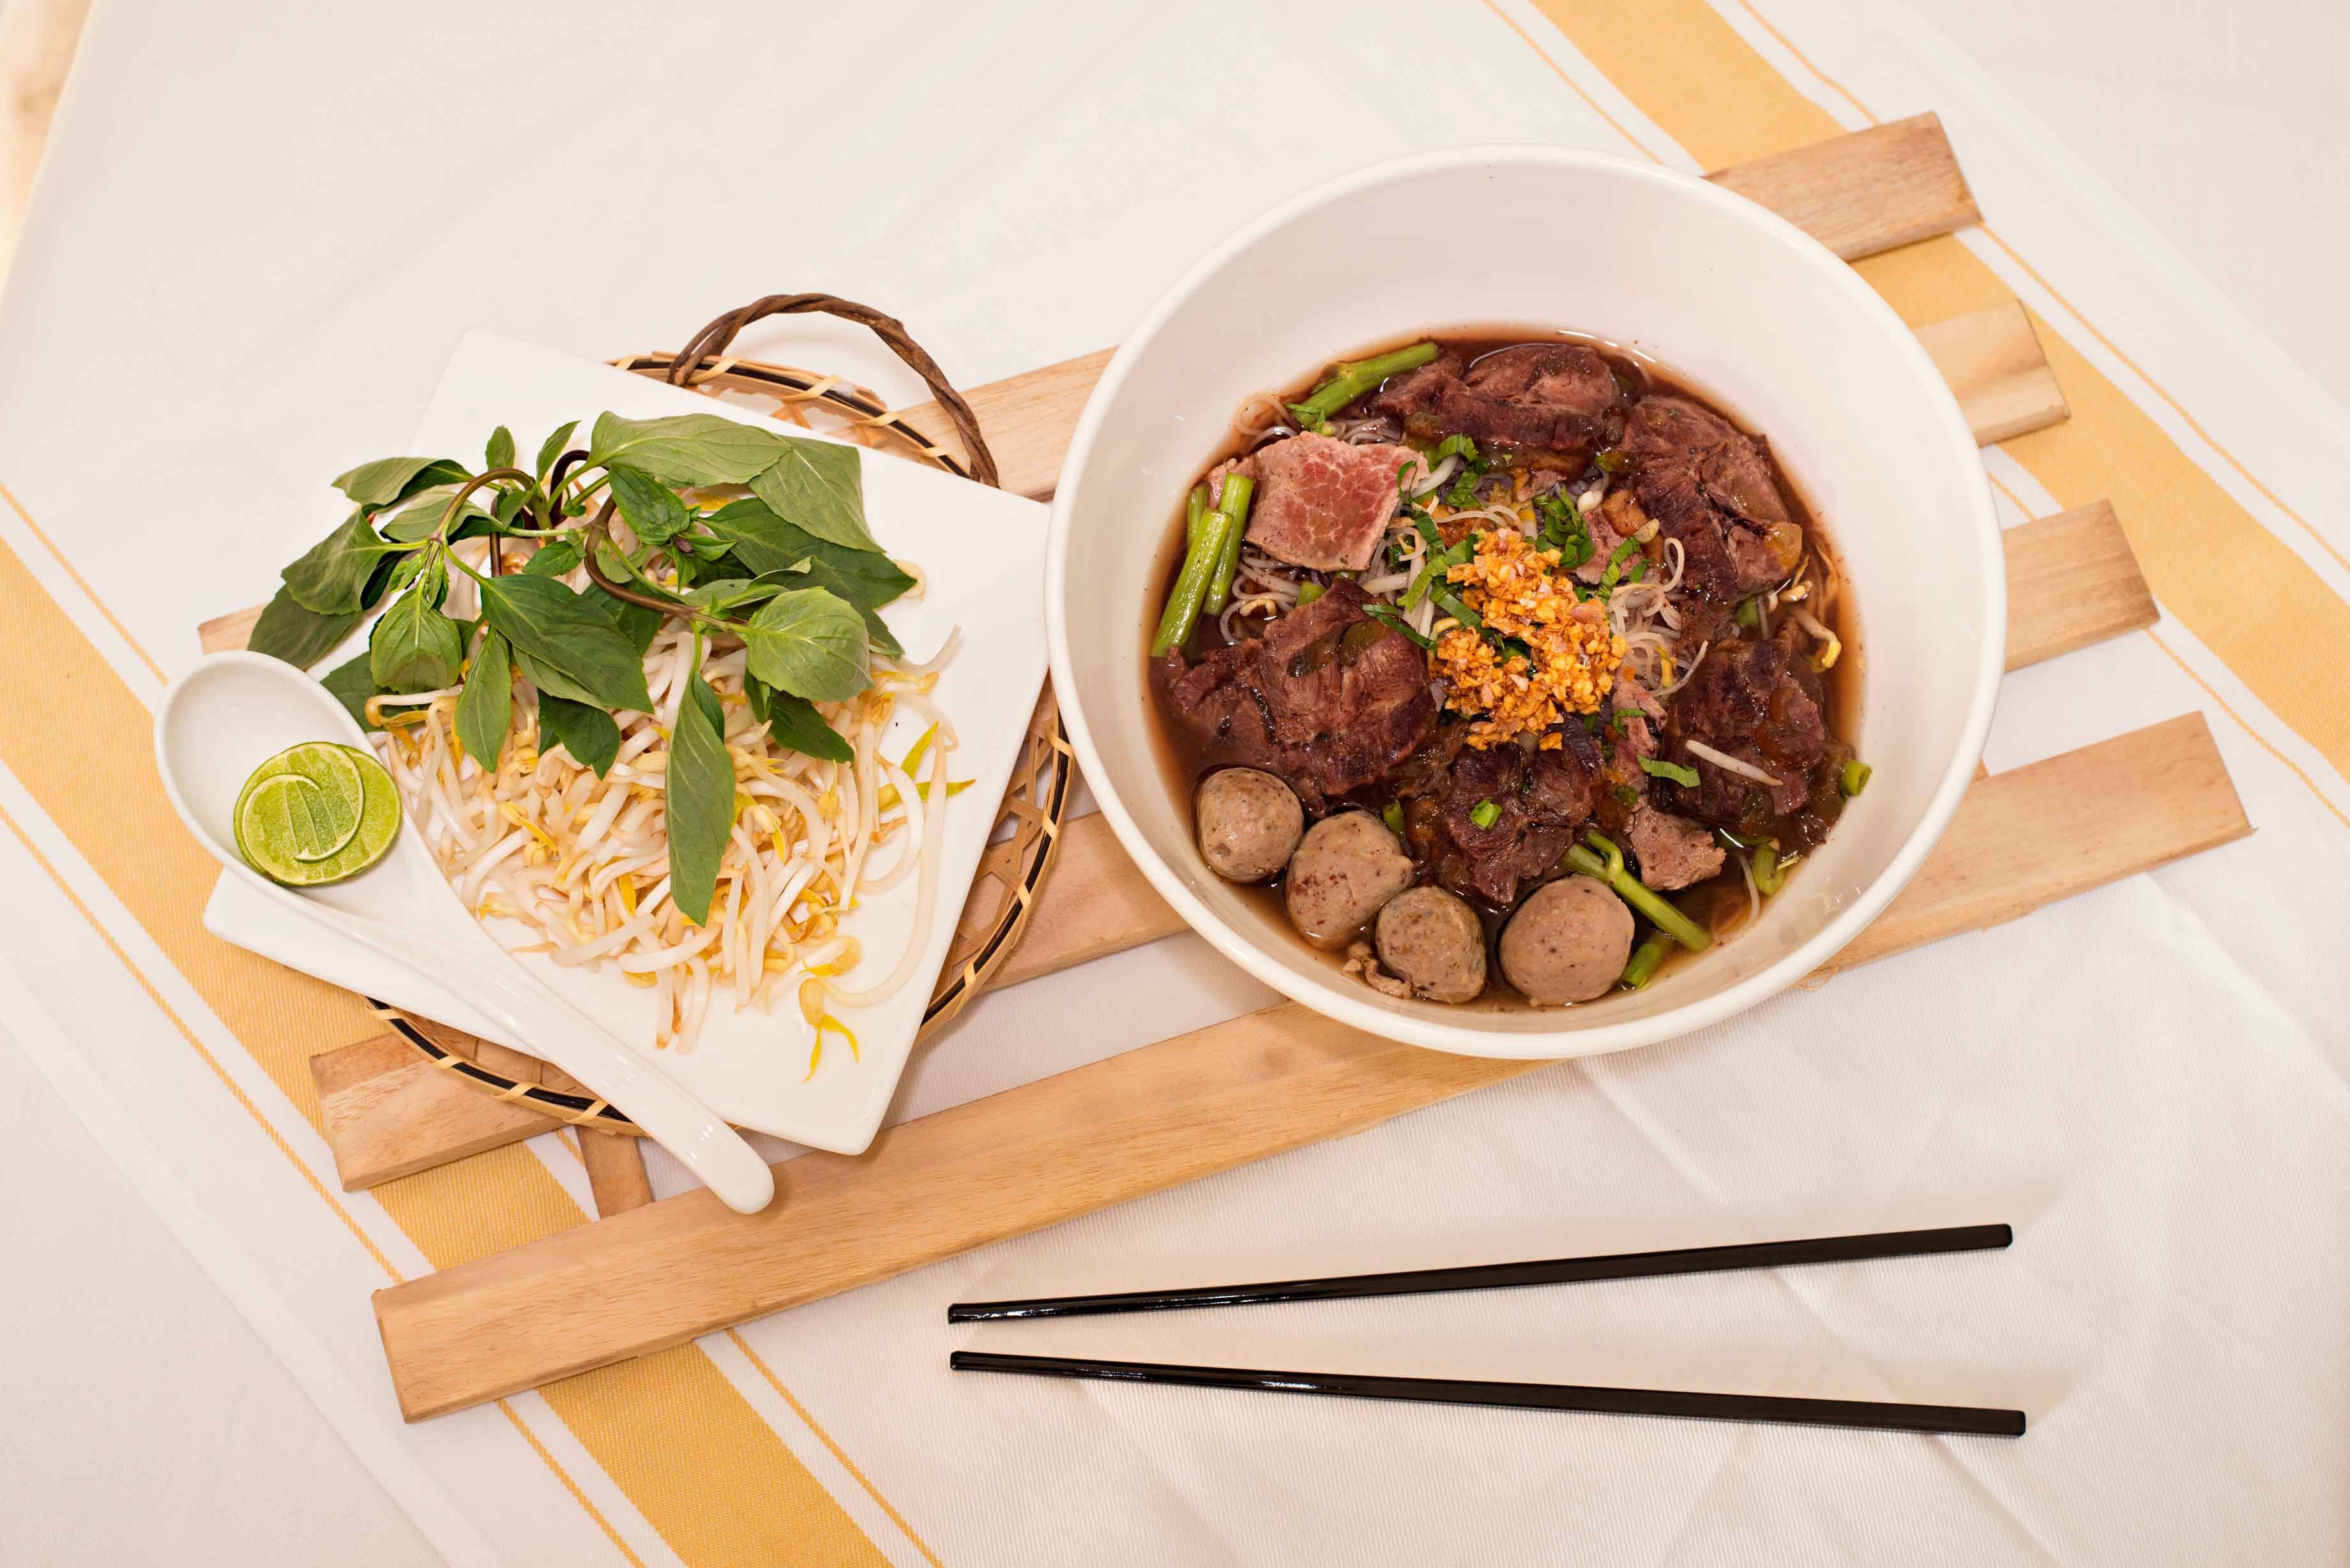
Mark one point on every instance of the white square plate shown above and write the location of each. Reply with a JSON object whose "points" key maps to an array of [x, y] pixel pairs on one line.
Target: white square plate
{"points": [[984, 553]]}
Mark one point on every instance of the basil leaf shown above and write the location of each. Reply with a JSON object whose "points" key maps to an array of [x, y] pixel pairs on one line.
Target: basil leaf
{"points": [[485, 707], [635, 622], [300, 637], [352, 683], [562, 634], [766, 543], [552, 448], [700, 784], [420, 518], [508, 508], [414, 647], [794, 723], [809, 642], [652, 509], [548, 680], [820, 575], [332, 575], [724, 594], [390, 479], [554, 559], [820, 485], [500, 452], [685, 448], [586, 732]]}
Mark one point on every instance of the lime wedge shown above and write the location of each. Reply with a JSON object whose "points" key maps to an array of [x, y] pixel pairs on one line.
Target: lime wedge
{"points": [[317, 813]]}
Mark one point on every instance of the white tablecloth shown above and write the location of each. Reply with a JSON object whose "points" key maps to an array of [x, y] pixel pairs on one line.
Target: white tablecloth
{"points": [[259, 235]]}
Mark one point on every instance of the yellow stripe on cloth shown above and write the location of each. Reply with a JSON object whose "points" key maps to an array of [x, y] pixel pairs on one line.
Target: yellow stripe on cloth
{"points": [[2257, 605], [693, 1456]]}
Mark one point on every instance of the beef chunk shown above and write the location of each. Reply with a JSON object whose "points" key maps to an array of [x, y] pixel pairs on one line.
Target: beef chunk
{"points": [[1536, 398], [1321, 502], [1539, 799], [1416, 391], [1759, 703], [1327, 699], [1715, 491], [1672, 851]]}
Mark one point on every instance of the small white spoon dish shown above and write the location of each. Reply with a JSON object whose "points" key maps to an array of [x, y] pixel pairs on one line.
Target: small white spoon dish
{"points": [[232, 712]]}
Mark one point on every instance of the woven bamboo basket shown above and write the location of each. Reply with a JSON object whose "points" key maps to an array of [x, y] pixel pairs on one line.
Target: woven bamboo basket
{"points": [[1028, 823]]}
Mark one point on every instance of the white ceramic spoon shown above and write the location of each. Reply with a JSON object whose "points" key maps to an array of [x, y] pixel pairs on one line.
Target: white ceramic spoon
{"points": [[232, 711]]}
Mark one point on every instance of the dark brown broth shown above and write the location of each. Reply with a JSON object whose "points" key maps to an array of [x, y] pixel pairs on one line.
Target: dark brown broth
{"points": [[1720, 902]]}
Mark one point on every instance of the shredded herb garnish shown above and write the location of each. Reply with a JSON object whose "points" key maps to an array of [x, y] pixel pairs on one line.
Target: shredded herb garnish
{"points": [[1388, 617], [1656, 768], [1564, 530]]}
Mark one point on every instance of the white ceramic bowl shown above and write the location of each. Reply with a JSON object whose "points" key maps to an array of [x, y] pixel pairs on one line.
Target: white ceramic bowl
{"points": [[1753, 312]]}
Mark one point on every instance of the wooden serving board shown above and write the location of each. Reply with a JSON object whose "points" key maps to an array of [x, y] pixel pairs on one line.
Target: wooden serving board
{"points": [[640, 1281], [1184, 1109]]}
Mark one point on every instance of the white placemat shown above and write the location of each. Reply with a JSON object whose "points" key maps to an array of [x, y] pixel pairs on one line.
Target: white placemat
{"points": [[277, 253]]}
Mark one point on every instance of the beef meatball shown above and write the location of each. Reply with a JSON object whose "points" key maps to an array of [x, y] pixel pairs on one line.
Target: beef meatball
{"points": [[1567, 942], [1347, 867], [1432, 941], [1249, 822]]}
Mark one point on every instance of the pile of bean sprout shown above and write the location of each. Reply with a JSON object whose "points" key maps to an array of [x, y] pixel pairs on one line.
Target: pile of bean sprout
{"points": [[582, 862]]}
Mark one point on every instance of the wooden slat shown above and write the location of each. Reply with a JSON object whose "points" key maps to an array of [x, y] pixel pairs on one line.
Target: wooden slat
{"points": [[1992, 359], [223, 632], [1869, 192], [616, 1171], [2034, 835], [1173, 1112], [2071, 580]]}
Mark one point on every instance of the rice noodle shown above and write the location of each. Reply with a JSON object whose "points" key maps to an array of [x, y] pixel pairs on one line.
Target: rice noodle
{"points": [[1832, 645], [1728, 764], [1258, 412], [581, 863]]}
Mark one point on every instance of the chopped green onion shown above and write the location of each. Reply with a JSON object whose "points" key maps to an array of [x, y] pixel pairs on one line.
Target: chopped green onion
{"points": [[1627, 794], [1390, 617], [1611, 460], [1195, 513], [1591, 722], [1449, 603], [1351, 381], [1463, 493], [1190, 589], [1764, 860], [1646, 957], [1309, 592], [1656, 768], [1393, 817], [1749, 614], [1632, 890], [1616, 559], [1854, 778], [1233, 502], [1438, 570], [1564, 530], [1484, 813]]}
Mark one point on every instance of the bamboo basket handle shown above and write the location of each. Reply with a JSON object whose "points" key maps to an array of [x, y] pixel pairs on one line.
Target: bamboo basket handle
{"points": [[712, 341]]}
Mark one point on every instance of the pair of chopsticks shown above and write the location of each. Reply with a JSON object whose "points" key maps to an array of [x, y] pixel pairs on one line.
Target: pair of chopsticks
{"points": [[1864, 1415]]}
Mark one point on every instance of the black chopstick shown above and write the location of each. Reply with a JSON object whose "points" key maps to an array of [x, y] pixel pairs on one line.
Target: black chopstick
{"points": [[1858, 1414], [1495, 1276]]}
